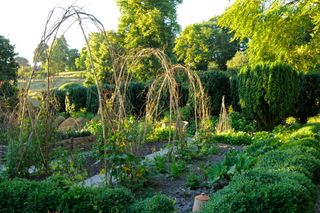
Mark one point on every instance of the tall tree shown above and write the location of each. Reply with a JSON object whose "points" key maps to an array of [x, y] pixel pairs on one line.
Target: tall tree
{"points": [[72, 55], [8, 65], [278, 30], [101, 52], [148, 24], [8, 74], [205, 42], [58, 54]]}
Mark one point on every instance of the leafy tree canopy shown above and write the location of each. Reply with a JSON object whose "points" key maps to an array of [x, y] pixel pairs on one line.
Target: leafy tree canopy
{"points": [[148, 24], [101, 52], [278, 30], [205, 42], [8, 65]]}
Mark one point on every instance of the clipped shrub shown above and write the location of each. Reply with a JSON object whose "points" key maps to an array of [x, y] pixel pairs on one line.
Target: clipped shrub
{"points": [[260, 191], [75, 99], [264, 92], [113, 200], [92, 100], [157, 204], [60, 96], [78, 199], [291, 159]]}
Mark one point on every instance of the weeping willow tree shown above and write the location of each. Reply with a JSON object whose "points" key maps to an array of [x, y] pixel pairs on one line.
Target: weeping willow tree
{"points": [[112, 110]]}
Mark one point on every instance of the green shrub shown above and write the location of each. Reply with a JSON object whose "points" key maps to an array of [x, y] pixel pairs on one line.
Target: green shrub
{"points": [[13, 195], [113, 200], [240, 123], [60, 96], [260, 191], [78, 199], [233, 138], [92, 101], [291, 159], [43, 197], [261, 147], [194, 181], [264, 92], [156, 204], [75, 98]]}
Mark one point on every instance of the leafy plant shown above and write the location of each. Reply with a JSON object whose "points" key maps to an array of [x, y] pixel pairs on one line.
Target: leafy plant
{"points": [[194, 181], [177, 167], [160, 163]]}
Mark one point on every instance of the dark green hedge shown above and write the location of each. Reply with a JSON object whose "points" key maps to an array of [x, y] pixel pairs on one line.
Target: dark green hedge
{"points": [[308, 103], [56, 195], [216, 85], [31, 196], [268, 92], [157, 204], [265, 191]]}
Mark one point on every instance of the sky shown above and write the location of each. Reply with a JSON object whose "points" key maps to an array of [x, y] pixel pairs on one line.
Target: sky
{"points": [[23, 21]]}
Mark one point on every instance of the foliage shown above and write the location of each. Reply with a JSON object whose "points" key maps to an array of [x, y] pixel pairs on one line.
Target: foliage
{"points": [[233, 138], [193, 181], [177, 167], [158, 203], [263, 91], [202, 43], [278, 30], [76, 95], [308, 103], [216, 85], [54, 195], [239, 60], [8, 75], [240, 123], [70, 165], [291, 159], [101, 48], [148, 24], [259, 190], [160, 163]]}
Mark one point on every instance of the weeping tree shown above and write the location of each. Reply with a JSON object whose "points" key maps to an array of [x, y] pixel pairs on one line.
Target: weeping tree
{"points": [[112, 109]]}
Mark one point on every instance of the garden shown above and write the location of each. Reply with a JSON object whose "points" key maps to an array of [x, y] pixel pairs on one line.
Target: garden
{"points": [[140, 132]]}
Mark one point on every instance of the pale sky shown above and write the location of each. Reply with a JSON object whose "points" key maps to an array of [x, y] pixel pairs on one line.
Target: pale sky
{"points": [[23, 21]]}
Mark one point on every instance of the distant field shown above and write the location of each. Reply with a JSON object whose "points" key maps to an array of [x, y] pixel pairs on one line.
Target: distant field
{"points": [[56, 81]]}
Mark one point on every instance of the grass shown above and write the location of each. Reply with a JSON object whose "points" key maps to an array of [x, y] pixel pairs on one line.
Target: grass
{"points": [[38, 85]]}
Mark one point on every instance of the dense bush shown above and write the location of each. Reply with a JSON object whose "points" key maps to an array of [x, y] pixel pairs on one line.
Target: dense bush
{"points": [[56, 195], [92, 101], [234, 138], [75, 98], [216, 85], [29, 196], [240, 123], [60, 97], [260, 191], [292, 159], [156, 204], [268, 92], [279, 178], [308, 103]]}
